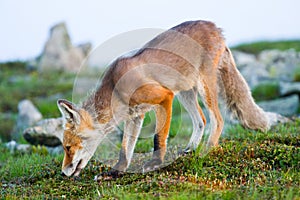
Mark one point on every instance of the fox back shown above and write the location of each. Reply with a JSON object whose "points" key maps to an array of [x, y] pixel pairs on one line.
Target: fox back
{"points": [[187, 60]]}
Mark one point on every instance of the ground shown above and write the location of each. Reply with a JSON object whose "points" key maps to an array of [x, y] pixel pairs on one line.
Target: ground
{"points": [[246, 165]]}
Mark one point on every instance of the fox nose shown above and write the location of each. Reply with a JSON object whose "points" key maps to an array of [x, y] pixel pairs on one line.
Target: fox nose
{"points": [[63, 174]]}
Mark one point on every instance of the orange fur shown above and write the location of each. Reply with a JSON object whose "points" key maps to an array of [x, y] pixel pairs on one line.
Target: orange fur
{"points": [[188, 59]]}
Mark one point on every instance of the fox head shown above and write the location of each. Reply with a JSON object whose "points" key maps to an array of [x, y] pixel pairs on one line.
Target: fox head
{"points": [[79, 139]]}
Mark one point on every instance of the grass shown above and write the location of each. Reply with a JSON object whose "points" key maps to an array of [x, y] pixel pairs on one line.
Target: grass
{"points": [[296, 74], [257, 47], [266, 91], [246, 165], [18, 83]]}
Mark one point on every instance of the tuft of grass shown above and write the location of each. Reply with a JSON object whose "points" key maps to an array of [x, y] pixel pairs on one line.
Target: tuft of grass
{"points": [[266, 91], [257, 47], [296, 74]]}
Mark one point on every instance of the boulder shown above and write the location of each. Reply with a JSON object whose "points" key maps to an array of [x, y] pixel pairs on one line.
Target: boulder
{"points": [[275, 118], [55, 150], [60, 54], [255, 73], [285, 106], [241, 59], [288, 88], [48, 132], [280, 64], [28, 115], [85, 48]]}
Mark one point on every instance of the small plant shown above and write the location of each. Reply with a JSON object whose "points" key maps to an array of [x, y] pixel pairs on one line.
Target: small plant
{"points": [[296, 74], [257, 47], [266, 91]]}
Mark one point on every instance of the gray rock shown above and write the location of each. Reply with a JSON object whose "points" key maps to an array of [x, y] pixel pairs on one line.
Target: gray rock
{"points": [[285, 106], [28, 115], [48, 132], [288, 88], [85, 48], [275, 118], [280, 64], [24, 148], [59, 53], [241, 59], [55, 150], [255, 73], [13, 146]]}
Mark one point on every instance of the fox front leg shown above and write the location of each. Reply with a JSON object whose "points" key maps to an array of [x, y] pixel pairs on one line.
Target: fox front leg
{"points": [[132, 130]]}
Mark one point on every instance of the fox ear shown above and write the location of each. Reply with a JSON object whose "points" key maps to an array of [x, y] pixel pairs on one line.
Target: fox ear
{"points": [[69, 111]]}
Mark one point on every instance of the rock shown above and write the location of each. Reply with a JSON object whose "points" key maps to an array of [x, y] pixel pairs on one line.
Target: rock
{"points": [[285, 106], [24, 148], [255, 73], [275, 118], [85, 48], [13, 146], [28, 115], [241, 59], [288, 88], [60, 54], [55, 150], [48, 132], [280, 64]]}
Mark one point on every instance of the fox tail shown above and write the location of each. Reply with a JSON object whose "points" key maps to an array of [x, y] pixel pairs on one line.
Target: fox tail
{"points": [[237, 95]]}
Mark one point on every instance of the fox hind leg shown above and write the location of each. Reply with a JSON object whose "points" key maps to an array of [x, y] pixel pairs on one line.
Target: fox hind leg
{"points": [[189, 101], [209, 92]]}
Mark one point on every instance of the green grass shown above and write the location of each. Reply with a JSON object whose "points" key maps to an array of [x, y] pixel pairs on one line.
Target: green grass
{"points": [[266, 91], [246, 165], [296, 74], [18, 83], [257, 47]]}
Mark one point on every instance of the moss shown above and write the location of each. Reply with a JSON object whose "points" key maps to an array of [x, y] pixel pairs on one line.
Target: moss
{"points": [[266, 91]]}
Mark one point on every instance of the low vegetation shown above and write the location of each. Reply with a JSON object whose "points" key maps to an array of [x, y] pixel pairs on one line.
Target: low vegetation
{"points": [[246, 165], [266, 91], [257, 47], [17, 83]]}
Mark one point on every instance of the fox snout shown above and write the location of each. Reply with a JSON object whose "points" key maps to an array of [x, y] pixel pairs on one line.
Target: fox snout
{"points": [[73, 169]]}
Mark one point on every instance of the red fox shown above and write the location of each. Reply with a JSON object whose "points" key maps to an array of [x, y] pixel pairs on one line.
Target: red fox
{"points": [[186, 60]]}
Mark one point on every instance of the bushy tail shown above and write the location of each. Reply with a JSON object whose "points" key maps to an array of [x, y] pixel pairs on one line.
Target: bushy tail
{"points": [[237, 95]]}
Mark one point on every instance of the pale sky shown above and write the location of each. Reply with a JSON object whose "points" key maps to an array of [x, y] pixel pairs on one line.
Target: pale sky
{"points": [[24, 25]]}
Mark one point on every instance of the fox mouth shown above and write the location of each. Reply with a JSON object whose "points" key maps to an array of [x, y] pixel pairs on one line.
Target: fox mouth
{"points": [[78, 169]]}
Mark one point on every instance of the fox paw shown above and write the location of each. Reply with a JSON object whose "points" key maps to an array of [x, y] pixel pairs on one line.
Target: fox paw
{"points": [[110, 175]]}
